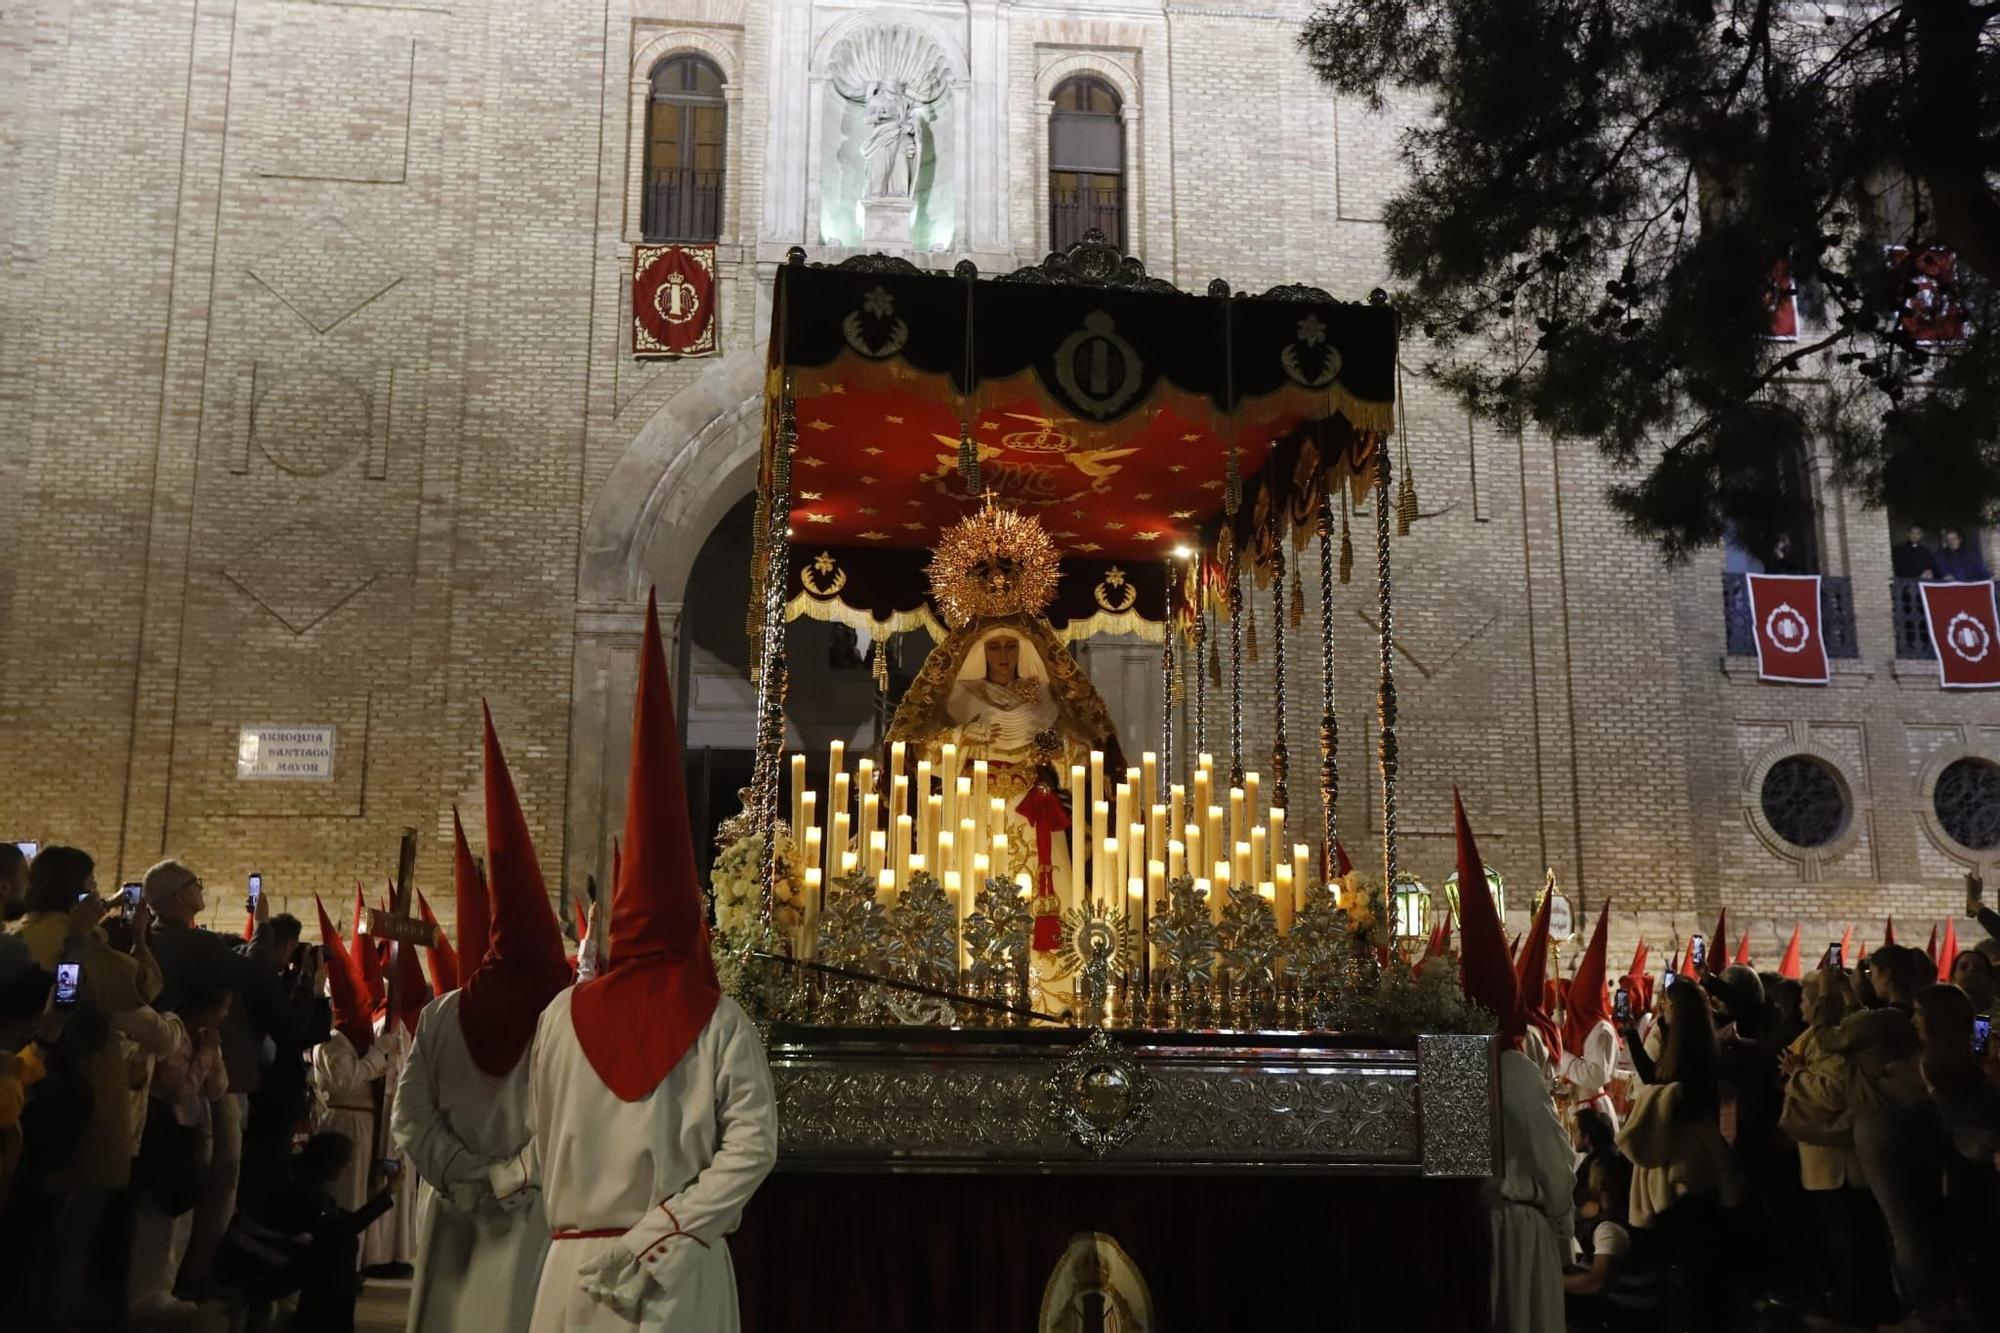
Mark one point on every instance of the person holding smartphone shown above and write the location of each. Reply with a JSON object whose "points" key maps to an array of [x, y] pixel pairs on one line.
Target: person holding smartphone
{"points": [[64, 922]]}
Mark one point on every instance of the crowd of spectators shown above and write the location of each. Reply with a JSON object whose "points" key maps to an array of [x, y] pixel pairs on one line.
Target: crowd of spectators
{"points": [[155, 1092]]}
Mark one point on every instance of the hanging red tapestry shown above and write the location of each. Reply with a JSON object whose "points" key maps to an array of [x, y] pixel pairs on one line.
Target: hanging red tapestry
{"points": [[1965, 632], [1781, 303], [1933, 311], [673, 300], [1784, 610]]}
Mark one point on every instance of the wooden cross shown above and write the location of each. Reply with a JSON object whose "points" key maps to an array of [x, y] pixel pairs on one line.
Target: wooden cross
{"points": [[403, 932]]}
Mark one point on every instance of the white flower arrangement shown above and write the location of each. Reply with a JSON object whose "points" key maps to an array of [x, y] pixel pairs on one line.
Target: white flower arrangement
{"points": [[734, 879]]}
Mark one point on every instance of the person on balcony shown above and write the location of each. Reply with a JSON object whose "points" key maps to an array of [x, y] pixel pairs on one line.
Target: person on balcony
{"points": [[1959, 563], [1782, 560], [1913, 558]]}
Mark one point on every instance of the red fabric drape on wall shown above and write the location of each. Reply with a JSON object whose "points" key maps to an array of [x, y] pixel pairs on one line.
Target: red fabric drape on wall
{"points": [[971, 1253]]}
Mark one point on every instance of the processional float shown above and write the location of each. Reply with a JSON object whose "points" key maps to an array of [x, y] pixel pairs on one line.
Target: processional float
{"points": [[988, 940]]}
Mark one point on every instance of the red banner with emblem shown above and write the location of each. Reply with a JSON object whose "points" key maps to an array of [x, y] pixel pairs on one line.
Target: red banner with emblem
{"points": [[1965, 631], [673, 300], [1784, 611]]}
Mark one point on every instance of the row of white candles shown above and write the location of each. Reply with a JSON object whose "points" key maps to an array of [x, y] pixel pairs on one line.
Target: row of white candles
{"points": [[1123, 828]]}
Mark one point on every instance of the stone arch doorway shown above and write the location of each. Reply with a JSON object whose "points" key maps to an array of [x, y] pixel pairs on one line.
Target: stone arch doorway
{"points": [[681, 473]]}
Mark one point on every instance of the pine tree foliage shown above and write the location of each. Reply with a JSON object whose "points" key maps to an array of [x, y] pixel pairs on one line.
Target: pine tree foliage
{"points": [[1587, 235]]}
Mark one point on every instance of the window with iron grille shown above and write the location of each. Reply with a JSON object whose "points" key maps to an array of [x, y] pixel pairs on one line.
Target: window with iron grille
{"points": [[685, 129], [1967, 801], [1804, 801], [1086, 163]]}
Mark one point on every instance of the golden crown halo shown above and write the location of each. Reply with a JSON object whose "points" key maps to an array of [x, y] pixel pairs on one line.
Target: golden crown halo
{"points": [[994, 563]]}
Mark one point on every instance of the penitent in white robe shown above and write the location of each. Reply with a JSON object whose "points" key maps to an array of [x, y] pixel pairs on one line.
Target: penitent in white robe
{"points": [[476, 1271], [343, 1082], [1531, 1203], [1589, 1072], [667, 1177]]}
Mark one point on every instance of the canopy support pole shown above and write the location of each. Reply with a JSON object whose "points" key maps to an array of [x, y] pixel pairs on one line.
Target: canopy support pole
{"points": [[771, 675], [1329, 721], [1386, 698]]}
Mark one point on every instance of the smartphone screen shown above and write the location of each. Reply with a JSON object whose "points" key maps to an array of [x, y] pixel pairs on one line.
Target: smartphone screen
{"points": [[69, 984], [1621, 1006], [1833, 956], [1667, 978], [256, 888], [1982, 1033], [28, 849], [1698, 952]]}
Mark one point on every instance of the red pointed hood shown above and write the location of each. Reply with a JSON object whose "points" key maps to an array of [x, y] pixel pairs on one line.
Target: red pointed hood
{"points": [[344, 987], [445, 970], [249, 925], [639, 1017], [1743, 950], [367, 961], [1589, 996], [1342, 867], [471, 900], [524, 967], [1483, 968], [1687, 968], [1532, 976], [1930, 950], [1788, 966], [1847, 943], [1640, 956], [1949, 953], [1889, 931], [1717, 957]]}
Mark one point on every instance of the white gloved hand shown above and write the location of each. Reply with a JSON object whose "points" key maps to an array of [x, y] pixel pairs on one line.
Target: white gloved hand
{"points": [[617, 1278]]}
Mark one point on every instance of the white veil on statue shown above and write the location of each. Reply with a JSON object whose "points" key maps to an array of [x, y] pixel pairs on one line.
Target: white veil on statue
{"points": [[1006, 717]]}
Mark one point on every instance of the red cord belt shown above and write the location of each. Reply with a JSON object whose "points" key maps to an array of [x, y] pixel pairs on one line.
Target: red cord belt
{"points": [[601, 1233]]}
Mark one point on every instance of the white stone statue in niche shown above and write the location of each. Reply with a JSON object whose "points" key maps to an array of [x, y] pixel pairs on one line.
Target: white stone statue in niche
{"points": [[897, 76]]}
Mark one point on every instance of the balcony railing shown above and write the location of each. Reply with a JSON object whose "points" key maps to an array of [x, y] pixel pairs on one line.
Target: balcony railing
{"points": [[682, 205], [1836, 616], [1072, 213], [1913, 634]]}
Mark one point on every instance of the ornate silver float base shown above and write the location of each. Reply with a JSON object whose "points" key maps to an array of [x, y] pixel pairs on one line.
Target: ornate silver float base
{"points": [[1058, 1100]]}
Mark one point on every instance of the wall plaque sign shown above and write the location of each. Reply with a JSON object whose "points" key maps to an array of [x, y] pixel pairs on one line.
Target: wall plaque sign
{"points": [[294, 753]]}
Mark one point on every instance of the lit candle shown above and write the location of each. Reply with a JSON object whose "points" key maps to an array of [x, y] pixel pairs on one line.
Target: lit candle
{"points": [[808, 824], [1176, 857], [1156, 884], [1269, 893], [923, 790], [1239, 831], [1156, 833], [1211, 834], [1024, 887], [864, 776], [842, 844], [1257, 836], [843, 796], [1252, 785], [798, 799], [1276, 845], [849, 863], [1206, 890], [1134, 853], [1301, 859], [813, 851], [899, 794], [1097, 775], [1239, 865], [933, 824], [1110, 878], [896, 759], [982, 868], [962, 802], [968, 845], [948, 780], [979, 798], [1191, 835], [878, 851], [1077, 833], [961, 908], [901, 861], [1121, 810], [885, 884], [1100, 833], [1149, 779], [917, 864], [1218, 894], [1204, 793], [947, 853], [871, 821], [1176, 806], [836, 760], [998, 852], [1288, 898], [809, 927]]}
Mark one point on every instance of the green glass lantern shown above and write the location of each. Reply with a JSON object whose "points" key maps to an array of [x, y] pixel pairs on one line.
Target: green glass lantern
{"points": [[1495, 885], [1410, 905]]}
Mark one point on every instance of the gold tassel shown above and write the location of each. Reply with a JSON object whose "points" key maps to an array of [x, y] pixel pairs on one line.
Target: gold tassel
{"points": [[882, 666], [1298, 600], [968, 461], [1406, 504], [1250, 636]]}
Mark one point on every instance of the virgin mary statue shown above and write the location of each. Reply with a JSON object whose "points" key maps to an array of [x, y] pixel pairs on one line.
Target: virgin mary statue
{"points": [[1002, 687]]}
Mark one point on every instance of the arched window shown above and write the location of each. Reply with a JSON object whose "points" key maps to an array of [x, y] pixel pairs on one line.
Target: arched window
{"points": [[684, 144], [1086, 163]]}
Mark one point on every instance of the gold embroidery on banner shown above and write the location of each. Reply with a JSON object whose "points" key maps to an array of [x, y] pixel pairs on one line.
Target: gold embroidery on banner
{"points": [[1099, 370], [1114, 593], [823, 565], [1311, 343], [878, 304]]}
